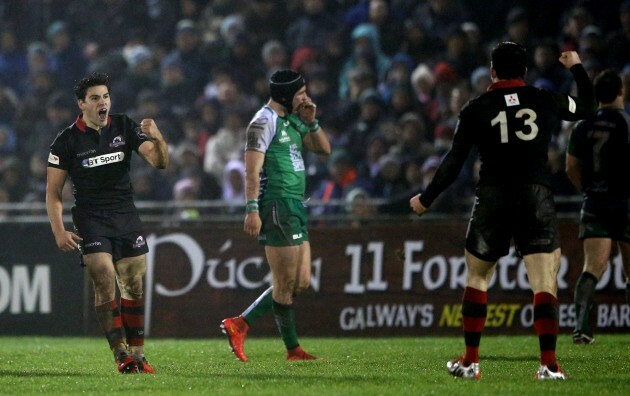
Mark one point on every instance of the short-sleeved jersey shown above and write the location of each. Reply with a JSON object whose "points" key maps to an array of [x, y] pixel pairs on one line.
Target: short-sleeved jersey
{"points": [[280, 139], [511, 125], [98, 163], [602, 144]]}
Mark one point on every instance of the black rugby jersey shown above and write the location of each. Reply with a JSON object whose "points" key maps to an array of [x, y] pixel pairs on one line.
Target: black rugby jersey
{"points": [[511, 125], [602, 144], [98, 164]]}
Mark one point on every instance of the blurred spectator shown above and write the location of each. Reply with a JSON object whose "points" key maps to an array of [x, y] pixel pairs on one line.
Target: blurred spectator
{"points": [[546, 66], [517, 30], [423, 84], [13, 64], [592, 46], [226, 145], [261, 19], [480, 80], [414, 143], [417, 43], [61, 110], [68, 63], [189, 54], [574, 21], [390, 181], [304, 59], [618, 42], [366, 51], [233, 185], [149, 105], [9, 102], [358, 206], [399, 73], [29, 112], [8, 140], [371, 115], [185, 190], [438, 17], [382, 14], [274, 57], [12, 176], [36, 180], [141, 73], [311, 27], [340, 181], [177, 92]]}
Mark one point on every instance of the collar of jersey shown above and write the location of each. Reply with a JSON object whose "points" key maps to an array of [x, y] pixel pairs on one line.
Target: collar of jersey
{"points": [[83, 126], [506, 84]]}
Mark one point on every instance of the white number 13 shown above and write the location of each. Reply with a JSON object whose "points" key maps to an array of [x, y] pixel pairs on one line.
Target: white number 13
{"points": [[529, 121]]}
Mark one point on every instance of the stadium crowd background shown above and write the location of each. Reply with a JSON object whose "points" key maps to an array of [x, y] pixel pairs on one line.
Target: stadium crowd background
{"points": [[389, 78]]}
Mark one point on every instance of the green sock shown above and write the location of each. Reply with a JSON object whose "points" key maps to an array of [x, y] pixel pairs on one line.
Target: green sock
{"points": [[259, 308], [583, 298], [285, 320]]}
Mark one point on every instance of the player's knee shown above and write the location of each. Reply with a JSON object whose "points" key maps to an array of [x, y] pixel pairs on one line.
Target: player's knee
{"points": [[302, 286], [131, 288]]}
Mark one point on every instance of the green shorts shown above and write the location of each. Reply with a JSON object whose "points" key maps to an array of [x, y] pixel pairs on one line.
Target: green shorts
{"points": [[284, 222]]}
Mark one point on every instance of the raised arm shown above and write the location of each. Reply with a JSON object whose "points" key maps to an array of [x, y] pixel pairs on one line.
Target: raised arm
{"points": [[155, 151]]}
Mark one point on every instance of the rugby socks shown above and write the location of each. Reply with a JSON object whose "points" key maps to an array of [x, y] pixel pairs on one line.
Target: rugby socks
{"points": [[133, 320], [259, 308], [546, 324], [474, 312], [583, 299], [285, 320], [108, 317]]}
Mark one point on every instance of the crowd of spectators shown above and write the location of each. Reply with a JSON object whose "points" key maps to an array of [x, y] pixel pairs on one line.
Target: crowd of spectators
{"points": [[389, 78]]}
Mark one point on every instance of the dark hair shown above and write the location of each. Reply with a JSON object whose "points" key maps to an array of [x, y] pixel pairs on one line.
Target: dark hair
{"points": [[509, 60], [94, 79], [607, 86]]}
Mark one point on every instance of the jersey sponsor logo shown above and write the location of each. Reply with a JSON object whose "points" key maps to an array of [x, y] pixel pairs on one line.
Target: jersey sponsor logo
{"points": [[511, 100], [572, 105], [284, 137], [53, 159], [117, 142], [104, 159], [286, 123]]}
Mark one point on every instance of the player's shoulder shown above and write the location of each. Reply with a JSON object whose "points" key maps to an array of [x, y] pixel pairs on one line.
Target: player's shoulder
{"points": [[264, 116]]}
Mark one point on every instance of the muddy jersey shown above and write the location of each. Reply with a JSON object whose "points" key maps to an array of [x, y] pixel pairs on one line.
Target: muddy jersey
{"points": [[280, 139], [511, 125], [602, 144], [98, 163]]}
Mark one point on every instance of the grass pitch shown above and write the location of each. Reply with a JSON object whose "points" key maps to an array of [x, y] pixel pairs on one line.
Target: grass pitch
{"points": [[355, 366]]}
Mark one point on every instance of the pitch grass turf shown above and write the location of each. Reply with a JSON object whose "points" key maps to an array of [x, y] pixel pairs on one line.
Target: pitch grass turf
{"points": [[355, 366]]}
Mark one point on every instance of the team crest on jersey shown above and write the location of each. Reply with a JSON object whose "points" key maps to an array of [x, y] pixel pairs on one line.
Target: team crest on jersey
{"points": [[284, 137], [511, 100], [139, 242], [117, 142]]}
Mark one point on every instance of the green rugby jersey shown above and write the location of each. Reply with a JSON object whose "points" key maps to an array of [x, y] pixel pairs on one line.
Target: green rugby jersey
{"points": [[280, 139]]}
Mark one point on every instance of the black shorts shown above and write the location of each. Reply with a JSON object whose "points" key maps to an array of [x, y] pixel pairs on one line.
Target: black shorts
{"points": [[118, 232], [605, 219], [525, 213]]}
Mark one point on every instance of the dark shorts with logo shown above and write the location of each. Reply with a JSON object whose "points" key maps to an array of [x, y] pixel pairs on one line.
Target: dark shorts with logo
{"points": [[118, 232], [284, 222], [605, 219], [525, 213]]}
